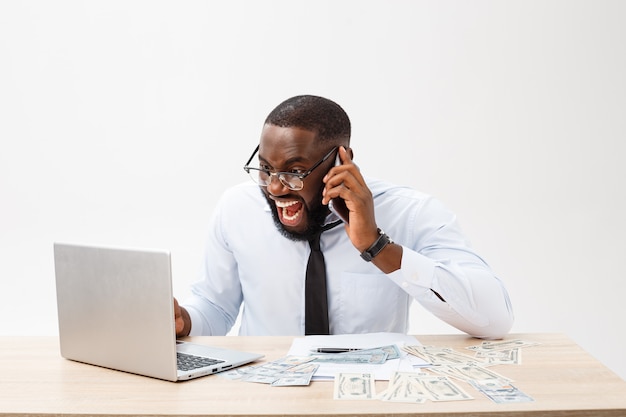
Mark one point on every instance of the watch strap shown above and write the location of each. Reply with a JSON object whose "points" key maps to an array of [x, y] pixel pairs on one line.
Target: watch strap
{"points": [[380, 243]]}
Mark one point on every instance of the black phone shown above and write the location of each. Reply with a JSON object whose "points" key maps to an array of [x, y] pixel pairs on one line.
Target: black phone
{"points": [[338, 205]]}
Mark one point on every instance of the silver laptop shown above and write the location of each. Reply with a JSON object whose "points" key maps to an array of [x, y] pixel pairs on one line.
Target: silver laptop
{"points": [[115, 309]]}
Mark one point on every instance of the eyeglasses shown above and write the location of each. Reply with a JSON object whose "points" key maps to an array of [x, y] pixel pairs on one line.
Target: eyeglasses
{"points": [[291, 180]]}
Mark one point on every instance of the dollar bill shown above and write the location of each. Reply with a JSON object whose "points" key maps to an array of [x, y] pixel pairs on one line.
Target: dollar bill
{"points": [[501, 392], [501, 357], [269, 368], [287, 371], [441, 388], [354, 386], [405, 387], [502, 345], [294, 360], [406, 394], [440, 356], [415, 351], [353, 357], [447, 356], [469, 372], [423, 352], [292, 379], [237, 373], [305, 368], [393, 352]]}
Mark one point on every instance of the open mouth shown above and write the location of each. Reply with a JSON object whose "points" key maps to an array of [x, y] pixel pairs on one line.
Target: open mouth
{"points": [[290, 212]]}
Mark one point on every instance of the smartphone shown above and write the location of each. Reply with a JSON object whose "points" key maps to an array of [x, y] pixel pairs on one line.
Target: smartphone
{"points": [[338, 205]]}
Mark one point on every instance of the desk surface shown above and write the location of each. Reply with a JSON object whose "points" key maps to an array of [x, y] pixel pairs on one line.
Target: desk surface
{"points": [[35, 380]]}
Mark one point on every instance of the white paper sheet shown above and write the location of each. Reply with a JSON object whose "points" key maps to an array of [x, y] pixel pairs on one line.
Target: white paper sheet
{"points": [[306, 346]]}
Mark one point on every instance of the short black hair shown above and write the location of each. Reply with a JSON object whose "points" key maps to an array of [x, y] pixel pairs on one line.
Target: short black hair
{"points": [[317, 114]]}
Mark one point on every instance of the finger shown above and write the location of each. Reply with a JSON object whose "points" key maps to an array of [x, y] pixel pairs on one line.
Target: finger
{"points": [[344, 156], [348, 164], [336, 187]]}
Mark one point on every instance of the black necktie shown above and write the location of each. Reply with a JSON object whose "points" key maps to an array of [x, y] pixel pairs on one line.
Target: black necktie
{"points": [[316, 301]]}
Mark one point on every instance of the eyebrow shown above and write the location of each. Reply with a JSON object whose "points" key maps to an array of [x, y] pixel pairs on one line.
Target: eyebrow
{"points": [[288, 162]]}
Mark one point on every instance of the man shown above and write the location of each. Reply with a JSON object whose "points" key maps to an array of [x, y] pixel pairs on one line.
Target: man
{"points": [[259, 245]]}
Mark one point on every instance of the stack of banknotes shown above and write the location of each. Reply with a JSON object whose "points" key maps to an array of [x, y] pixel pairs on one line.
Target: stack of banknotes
{"points": [[413, 387], [436, 382], [287, 371], [298, 370]]}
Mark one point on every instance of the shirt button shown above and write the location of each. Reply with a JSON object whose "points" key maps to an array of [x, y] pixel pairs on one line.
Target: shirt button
{"points": [[405, 284]]}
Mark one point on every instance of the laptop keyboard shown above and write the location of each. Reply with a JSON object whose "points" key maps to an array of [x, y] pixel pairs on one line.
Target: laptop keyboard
{"points": [[188, 362]]}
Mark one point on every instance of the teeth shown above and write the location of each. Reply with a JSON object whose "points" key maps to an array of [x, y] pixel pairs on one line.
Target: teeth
{"points": [[284, 204]]}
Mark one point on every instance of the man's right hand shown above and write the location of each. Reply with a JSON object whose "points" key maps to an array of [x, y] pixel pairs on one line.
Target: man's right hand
{"points": [[182, 320]]}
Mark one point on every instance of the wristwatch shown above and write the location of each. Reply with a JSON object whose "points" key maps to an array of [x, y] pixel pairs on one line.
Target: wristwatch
{"points": [[382, 241]]}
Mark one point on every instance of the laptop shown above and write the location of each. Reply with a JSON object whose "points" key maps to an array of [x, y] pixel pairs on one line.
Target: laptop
{"points": [[115, 310]]}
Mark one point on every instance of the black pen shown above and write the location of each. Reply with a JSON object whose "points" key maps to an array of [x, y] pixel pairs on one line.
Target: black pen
{"points": [[335, 350]]}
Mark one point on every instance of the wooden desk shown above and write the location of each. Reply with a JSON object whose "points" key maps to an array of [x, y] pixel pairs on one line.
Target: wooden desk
{"points": [[34, 380]]}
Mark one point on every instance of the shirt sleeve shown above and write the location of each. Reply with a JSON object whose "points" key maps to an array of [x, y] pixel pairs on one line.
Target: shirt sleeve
{"points": [[216, 298], [441, 263]]}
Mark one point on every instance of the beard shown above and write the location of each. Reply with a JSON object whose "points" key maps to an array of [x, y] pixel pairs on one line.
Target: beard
{"points": [[316, 217]]}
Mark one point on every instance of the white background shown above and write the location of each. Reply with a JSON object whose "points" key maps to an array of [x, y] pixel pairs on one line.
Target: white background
{"points": [[121, 122]]}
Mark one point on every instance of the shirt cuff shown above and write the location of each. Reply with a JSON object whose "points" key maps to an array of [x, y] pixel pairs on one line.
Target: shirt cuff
{"points": [[416, 270], [196, 321]]}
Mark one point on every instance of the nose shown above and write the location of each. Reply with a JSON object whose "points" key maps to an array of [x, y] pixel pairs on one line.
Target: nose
{"points": [[276, 187]]}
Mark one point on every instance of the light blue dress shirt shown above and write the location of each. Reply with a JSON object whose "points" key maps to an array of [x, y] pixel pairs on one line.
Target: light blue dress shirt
{"points": [[248, 261]]}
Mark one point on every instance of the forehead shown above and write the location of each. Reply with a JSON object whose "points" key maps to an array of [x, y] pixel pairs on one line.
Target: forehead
{"points": [[280, 144]]}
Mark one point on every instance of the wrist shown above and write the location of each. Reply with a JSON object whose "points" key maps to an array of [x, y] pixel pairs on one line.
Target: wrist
{"points": [[377, 246], [186, 321]]}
